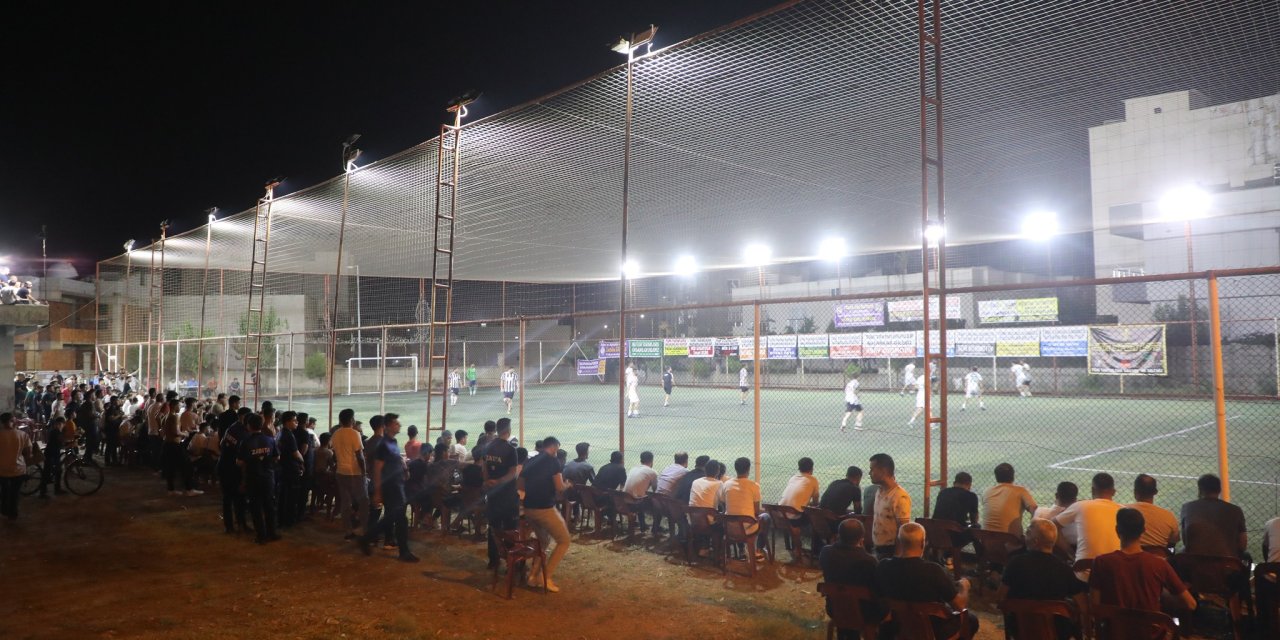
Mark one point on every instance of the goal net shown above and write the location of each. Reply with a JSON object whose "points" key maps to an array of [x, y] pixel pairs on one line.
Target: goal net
{"points": [[367, 374]]}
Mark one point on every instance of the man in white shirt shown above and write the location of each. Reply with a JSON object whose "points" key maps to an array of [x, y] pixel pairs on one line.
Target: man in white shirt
{"points": [[802, 489], [508, 382], [461, 452], [705, 491], [973, 389], [1093, 521], [908, 380], [1021, 378], [921, 390], [742, 384], [632, 381], [1064, 497], [1003, 504], [670, 477], [741, 497], [1161, 525], [455, 384], [1271, 540], [851, 404], [640, 481], [892, 505]]}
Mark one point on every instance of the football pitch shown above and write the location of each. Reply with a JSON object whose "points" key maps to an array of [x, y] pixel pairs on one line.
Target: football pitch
{"points": [[1047, 439]]}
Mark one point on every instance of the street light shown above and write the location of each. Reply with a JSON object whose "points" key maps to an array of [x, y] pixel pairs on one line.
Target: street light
{"points": [[833, 249], [934, 232], [758, 255], [1042, 226], [1185, 204], [686, 266], [350, 152], [128, 246]]}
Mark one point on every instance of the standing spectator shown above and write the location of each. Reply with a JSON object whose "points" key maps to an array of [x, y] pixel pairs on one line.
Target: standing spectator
{"points": [[844, 495], [503, 502], [489, 433], [1093, 522], [892, 505], [641, 480], [51, 473], [388, 492], [111, 423], [1271, 540], [413, 447], [348, 453], [910, 577], [1003, 504], [741, 497], [1210, 526], [802, 489], [847, 562], [230, 475], [87, 419], [578, 471], [257, 457], [1038, 575], [541, 482], [1161, 525], [15, 451], [670, 476], [611, 476], [1131, 578], [307, 444], [175, 456], [291, 468], [958, 503]]}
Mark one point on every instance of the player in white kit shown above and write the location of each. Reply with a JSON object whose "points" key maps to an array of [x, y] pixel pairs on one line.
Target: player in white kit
{"points": [[922, 388], [509, 384], [851, 404], [455, 384], [973, 389], [633, 392], [742, 384], [908, 377], [1022, 378]]}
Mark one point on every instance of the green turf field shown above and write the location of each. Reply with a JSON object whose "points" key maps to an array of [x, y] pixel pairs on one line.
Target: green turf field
{"points": [[1048, 439]]}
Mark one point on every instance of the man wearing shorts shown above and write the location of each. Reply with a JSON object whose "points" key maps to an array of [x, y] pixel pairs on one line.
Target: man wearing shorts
{"points": [[973, 389], [851, 404], [633, 392], [921, 389], [455, 385], [742, 384], [509, 385], [668, 381], [471, 378], [908, 377]]}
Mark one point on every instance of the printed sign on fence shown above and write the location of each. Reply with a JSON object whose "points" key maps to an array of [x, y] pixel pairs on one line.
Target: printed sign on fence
{"points": [[814, 347], [727, 347], [859, 314], [1064, 341], [782, 347], [1021, 310], [889, 344], [1128, 350], [747, 348], [609, 349], [702, 347], [913, 310], [845, 345], [935, 339], [590, 367], [1022, 343], [675, 347], [644, 348]]}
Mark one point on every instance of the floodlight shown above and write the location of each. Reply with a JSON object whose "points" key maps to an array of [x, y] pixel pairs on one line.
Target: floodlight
{"points": [[832, 249], [128, 246], [630, 269], [686, 266], [350, 152], [4, 271], [627, 45], [757, 255], [1184, 203], [460, 103], [1040, 225], [213, 214], [934, 232]]}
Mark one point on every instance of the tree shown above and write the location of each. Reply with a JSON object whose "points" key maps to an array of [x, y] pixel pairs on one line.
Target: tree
{"points": [[189, 356], [271, 323], [1178, 317]]}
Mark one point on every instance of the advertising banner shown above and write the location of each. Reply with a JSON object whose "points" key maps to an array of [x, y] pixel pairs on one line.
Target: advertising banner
{"points": [[934, 340], [889, 344], [609, 350], [702, 347], [845, 345], [860, 314], [675, 347], [1128, 350], [913, 310], [1064, 341], [644, 348], [747, 348], [814, 347], [781, 347], [590, 367], [1021, 343], [1021, 310], [727, 347]]}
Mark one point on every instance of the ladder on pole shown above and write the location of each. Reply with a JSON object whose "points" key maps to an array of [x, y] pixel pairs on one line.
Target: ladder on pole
{"points": [[155, 313], [441, 310], [255, 316]]}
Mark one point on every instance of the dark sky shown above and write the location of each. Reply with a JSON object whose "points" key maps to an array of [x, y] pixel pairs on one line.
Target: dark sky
{"points": [[115, 118]]}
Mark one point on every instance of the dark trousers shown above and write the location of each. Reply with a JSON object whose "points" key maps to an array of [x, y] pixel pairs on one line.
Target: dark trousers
{"points": [[290, 496], [175, 463], [51, 473], [304, 496], [394, 522], [233, 501], [500, 520], [9, 487], [90, 444], [262, 507], [112, 456]]}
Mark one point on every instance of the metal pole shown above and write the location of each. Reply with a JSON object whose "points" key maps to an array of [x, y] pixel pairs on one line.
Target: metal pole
{"points": [[755, 383], [622, 288], [382, 366], [204, 294], [164, 234], [540, 380], [1191, 286], [337, 285], [277, 346], [523, 387], [1275, 338], [1219, 391], [359, 321], [291, 367]]}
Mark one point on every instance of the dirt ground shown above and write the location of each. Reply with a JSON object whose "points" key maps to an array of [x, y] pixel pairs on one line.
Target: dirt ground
{"points": [[132, 562]]}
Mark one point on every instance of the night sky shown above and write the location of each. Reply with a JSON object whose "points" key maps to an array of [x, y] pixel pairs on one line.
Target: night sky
{"points": [[114, 118]]}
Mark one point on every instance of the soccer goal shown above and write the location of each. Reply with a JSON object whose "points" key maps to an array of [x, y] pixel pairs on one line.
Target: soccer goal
{"points": [[401, 375]]}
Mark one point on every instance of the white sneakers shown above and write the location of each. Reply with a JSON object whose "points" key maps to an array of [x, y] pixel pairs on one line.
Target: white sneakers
{"points": [[193, 492]]}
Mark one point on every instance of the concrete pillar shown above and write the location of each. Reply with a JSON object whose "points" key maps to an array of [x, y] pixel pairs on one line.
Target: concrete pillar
{"points": [[15, 319]]}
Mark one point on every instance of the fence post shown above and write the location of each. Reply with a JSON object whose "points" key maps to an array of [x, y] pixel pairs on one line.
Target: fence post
{"points": [[755, 353], [291, 367], [1219, 391], [523, 386], [382, 372]]}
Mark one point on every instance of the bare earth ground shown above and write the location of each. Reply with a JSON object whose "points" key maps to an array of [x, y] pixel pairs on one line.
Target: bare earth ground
{"points": [[131, 562]]}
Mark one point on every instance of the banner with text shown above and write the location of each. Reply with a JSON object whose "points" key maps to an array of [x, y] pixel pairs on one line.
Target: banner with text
{"points": [[781, 347], [972, 343], [859, 314], [1022, 343], [1064, 341], [889, 344], [727, 347], [590, 367], [747, 348], [1021, 310], [609, 349], [913, 310], [702, 347], [814, 347], [935, 339], [644, 348], [1128, 350], [845, 345], [675, 347]]}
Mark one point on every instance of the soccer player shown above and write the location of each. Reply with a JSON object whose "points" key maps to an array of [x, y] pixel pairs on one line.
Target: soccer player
{"points": [[509, 385], [633, 391], [851, 404], [668, 381], [1021, 378], [471, 378], [921, 389], [455, 384], [908, 377], [973, 389], [742, 384]]}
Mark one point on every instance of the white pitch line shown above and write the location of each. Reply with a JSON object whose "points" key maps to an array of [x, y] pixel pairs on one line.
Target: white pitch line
{"points": [[1162, 475], [1057, 465]]}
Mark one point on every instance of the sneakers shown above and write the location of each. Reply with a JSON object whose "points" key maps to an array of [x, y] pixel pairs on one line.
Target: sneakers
{"points": [[175, 493], [858, 427], [408, 557], [192, 492]]}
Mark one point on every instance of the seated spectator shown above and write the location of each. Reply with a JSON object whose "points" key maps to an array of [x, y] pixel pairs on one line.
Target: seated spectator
{"points": [[1003, 504], [685, 486], [1210, 526], [461, 452], [1134, 579], [958, 503], [1161, 524], [705, 491], [9, 291], [413, 447], [1038, 575], [578, 471], [1064, 497], [642, 480], [847, 562], [741, 497], [801, 490], [611, 476], [911, 578], [1093, 522], [844, 495], [1271, 540], [670, 476]]}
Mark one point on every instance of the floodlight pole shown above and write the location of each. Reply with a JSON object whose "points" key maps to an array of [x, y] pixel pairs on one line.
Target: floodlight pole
{"points": [[622, 288], [1191, 300], [929, 32], [204, 295]]}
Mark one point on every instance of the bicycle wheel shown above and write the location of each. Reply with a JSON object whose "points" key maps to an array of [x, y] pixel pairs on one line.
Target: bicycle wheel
{"points": [[31, 483], [82, 478]]}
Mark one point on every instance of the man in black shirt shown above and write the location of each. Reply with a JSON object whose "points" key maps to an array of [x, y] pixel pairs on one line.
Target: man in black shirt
{"points": [[542, 482], [229, 473], [578, 471], [685, 486], [228, 417], [388, 491], [844, 495], [1038, 575], [910, 577], [847, 562], [257, 458], [291, 462], [958, 503], [611, 476], [503, 503]]}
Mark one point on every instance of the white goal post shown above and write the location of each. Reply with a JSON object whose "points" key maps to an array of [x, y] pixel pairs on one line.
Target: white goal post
{"points": [[404, 361]]}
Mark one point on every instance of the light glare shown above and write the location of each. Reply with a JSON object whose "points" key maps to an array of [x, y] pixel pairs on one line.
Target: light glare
{"points": [[934, 232], [1040, 226], [757, 255], [630, 269], [1184, 203], [686, 266], [832, 249]]}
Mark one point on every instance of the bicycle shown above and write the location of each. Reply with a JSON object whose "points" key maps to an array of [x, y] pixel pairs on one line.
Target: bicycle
{"points": [[79, 476]]}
